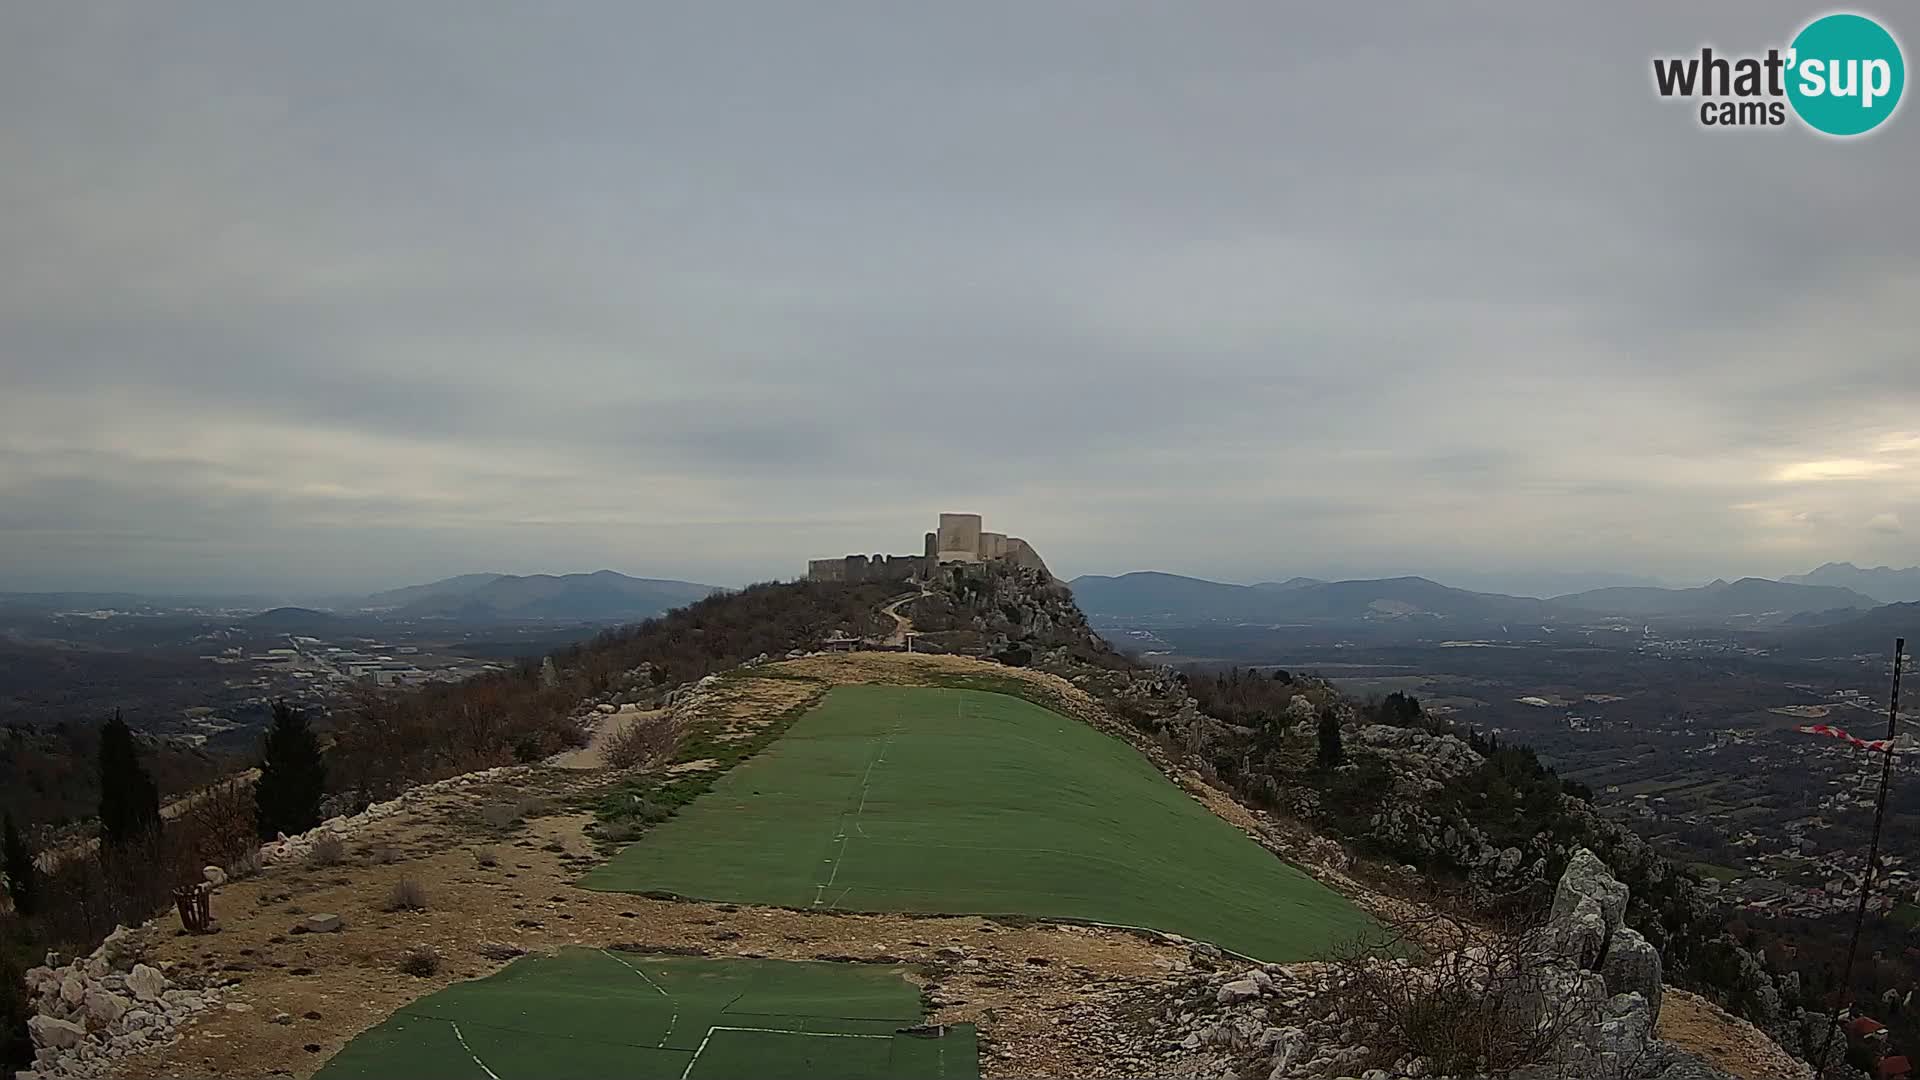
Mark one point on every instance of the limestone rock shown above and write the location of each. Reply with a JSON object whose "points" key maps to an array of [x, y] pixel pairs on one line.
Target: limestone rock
{"points": [[55, 1034], [1587, 877], [215, 876], [1237, 991], [146, 982], [1632, 966], [323, 924], [105, 1008]]}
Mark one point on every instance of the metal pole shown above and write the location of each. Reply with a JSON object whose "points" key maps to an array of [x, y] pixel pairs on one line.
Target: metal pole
{"points": [[1873, 854]]}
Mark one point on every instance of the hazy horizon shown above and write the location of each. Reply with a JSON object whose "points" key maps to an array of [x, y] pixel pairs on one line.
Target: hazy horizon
{"points": [[333, 299]]}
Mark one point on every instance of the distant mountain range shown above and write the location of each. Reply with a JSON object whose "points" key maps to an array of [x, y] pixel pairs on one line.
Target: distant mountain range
{"points": [[1152, 595], [1169, 597], [1883, 583], [596, 597], [1873, 632], [1748, 596]]}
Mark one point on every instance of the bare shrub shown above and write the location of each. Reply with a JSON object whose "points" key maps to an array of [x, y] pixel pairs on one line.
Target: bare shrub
{"points": [[1482, 1004], [328, 850], [384, 854], [486, 856], [421, 960], [217, 824], [407, 895], [244, 865], [499, 950], [642, 743], [499, 815]]}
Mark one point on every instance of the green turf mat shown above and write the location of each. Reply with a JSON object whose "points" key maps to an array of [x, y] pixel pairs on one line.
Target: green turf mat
{"points": [[917, 799], [593, 1013]]}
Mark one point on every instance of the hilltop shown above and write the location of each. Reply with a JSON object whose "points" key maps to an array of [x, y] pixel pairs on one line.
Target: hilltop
{"points": [[495, 855]]}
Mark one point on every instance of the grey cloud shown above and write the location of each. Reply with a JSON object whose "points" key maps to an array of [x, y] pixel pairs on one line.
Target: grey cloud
{"points": [[342, 295]]}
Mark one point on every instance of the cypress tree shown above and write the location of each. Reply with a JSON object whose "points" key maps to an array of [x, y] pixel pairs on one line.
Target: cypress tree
{"points": [[293, 776], [19, 867], [129, 799], [1331, 752]]}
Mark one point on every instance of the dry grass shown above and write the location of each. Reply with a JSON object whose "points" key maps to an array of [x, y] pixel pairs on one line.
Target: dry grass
{"points": [[421, 961], [642, 743], [407, 894], [486, 856], [327, 851]]}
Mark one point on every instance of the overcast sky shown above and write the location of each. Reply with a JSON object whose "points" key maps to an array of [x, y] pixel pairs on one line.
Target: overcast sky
{"points": [[351, 295]]}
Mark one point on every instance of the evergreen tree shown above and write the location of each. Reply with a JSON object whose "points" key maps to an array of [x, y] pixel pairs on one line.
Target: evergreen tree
{"points": [[129, 800], [18, 862], [1331, 753], [293, 776]]}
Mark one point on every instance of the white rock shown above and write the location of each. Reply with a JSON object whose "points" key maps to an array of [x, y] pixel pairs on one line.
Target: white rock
{"points": [[55, 1034], [215, 876], [73, 990], [146, 982], [105, 1008]]}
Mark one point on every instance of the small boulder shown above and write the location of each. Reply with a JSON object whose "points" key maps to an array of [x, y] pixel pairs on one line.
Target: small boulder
{"points": [[55, 1034], [146, 982], [73, 990], [105, 1008], [1237, 991], [215, 876]]}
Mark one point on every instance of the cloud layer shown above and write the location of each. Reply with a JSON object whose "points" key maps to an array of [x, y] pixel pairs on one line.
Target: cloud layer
{"points": [[350, 295]]}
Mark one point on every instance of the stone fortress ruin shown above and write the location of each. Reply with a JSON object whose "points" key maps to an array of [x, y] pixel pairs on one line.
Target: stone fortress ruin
{"points": [[959, 539]]}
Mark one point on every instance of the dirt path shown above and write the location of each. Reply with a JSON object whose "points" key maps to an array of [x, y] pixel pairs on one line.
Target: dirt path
{"points": [[594, 754], [902, 625]]}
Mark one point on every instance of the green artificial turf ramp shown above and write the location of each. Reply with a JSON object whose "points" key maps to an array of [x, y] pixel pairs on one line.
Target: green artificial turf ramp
{"points": [[888, 798], [592, 1013]]}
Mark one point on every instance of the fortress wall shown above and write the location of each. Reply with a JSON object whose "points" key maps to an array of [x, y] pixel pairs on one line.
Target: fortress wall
{"points": [[1021, 553]]}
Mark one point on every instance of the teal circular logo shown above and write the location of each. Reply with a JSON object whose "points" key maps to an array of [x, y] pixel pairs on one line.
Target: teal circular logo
{"points": [[1846, 74]]}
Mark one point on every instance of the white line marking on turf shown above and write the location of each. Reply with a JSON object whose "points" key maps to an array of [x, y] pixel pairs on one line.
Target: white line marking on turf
{"points": [[469, 1050], [656, 986], [866, 785], [688, 1071]]}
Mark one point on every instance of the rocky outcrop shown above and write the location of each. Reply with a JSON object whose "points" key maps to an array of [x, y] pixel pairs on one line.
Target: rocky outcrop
{"points": [[92, 1011], [1585, 978]]}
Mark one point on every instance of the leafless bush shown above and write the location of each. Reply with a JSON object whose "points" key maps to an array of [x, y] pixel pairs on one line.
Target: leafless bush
{"points": [[384, 854], [217, 825], [499, 950], [407, 895], [244, 865], [642, 743], [1482, 1004], [486, 856], [499, 815], [421, 960], [328, 850]]}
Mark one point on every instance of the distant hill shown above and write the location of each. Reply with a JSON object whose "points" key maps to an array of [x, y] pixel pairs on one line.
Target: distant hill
{"points": [[1883, 583], [1873, 632], [1288, 585], [1154, 595], [292, 618], [1748, 596], [603, 596], [413, 594]]}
